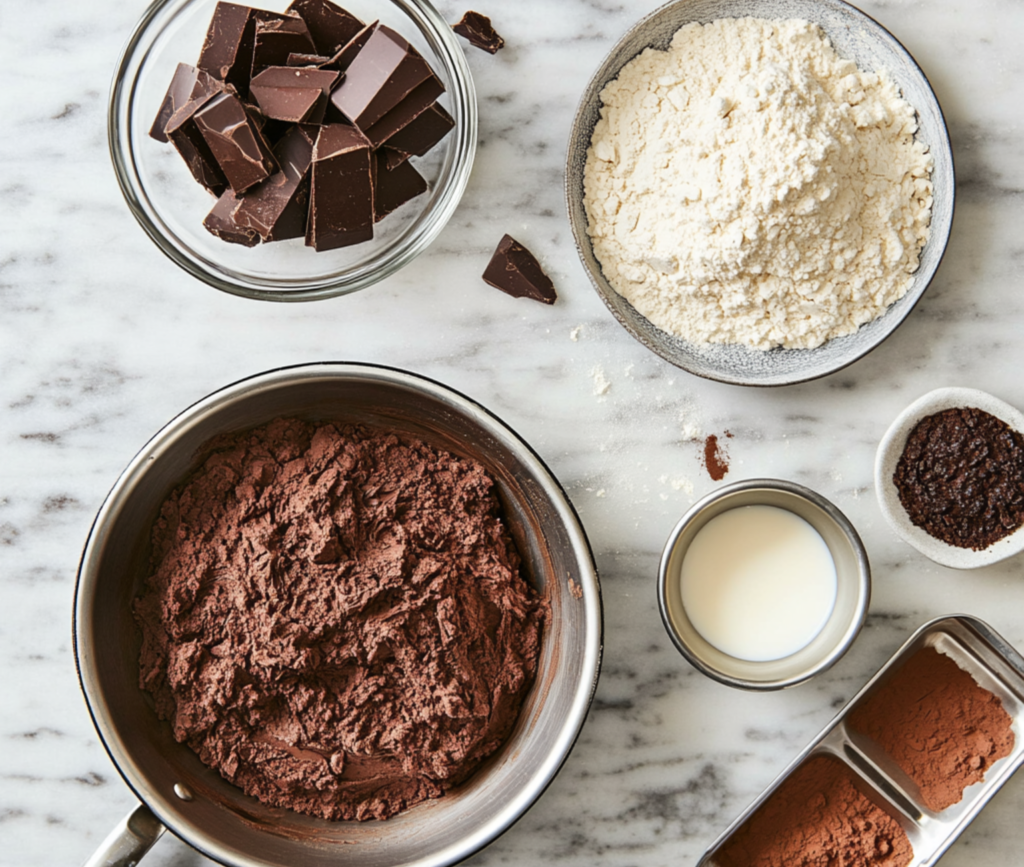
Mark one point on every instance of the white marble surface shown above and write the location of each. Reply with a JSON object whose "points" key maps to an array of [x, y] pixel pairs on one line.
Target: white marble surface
{"points": [[102, 340]]}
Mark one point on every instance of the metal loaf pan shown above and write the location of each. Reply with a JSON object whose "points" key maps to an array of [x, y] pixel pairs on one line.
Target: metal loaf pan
{"points": [[995, 665]]}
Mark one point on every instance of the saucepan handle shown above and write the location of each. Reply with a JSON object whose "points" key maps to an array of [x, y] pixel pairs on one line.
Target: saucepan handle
{"points": [[133, 837]]}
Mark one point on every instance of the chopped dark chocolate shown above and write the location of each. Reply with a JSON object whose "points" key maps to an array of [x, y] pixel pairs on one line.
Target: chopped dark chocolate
{"points": [[343, 58], [329, 25], [382, 77], [286, 116], [296, 94], [515, 270], [276, 209], [227, 50], [479, 31], [188, 83], [341, 189], [234, 137], [220, 222], [314, 60], [393, 187], [184, 133], [403, 114], [422, 133], [276, 38]]}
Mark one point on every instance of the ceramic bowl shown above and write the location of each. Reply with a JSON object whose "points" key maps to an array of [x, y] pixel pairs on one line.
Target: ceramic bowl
{"points": [[854, 35], [888, 455], [853, 587], [170, 206]]}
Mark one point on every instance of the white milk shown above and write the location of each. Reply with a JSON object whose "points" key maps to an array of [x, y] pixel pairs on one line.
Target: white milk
{"points": [[758, 582]]}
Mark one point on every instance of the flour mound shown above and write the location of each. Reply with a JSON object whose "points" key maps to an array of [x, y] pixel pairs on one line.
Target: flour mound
{"points": [[750, 186]]}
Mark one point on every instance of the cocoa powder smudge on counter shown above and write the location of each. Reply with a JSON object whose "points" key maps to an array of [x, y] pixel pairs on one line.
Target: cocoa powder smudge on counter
{"points": [[938, 725], [817, 816], [961, 477], [715, 458], [336, 620]]}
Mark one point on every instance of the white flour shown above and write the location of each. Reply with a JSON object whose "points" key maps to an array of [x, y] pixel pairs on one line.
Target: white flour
{"points": [[749, 186]]}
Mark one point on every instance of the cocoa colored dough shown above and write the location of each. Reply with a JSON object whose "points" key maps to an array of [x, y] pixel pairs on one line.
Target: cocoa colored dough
{"points": [[818, 818], [938, 725], [335, 619]]}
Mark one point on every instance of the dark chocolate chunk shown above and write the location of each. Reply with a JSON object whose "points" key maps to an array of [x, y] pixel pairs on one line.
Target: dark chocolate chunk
{"points": [[383, 76], [314, 60], [220, 222], [329, 25], [343, 58], [234, 137], [515, 270], [276, 38], [276, 209], [403, 114], [188, 83], [422, 132], [227, 50], [479, 31], [296, 94], [184, 133], [341, 191], [393, 187]]}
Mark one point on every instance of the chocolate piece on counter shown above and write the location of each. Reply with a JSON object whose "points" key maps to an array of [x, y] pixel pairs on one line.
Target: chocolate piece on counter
{"points": [[184, 133], [295, 94], [383, 75], [242, 153], [479, 31], [343, 58], [188, 83], [314, 60], [276, 209], [515, 270], [341, 189], [422, 133], [393, 187], [329, 25], [220, 222], [276, 38], [227, 50]]}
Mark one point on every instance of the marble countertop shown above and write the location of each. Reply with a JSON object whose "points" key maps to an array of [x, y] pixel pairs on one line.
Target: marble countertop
{"points": [[102, 340]]}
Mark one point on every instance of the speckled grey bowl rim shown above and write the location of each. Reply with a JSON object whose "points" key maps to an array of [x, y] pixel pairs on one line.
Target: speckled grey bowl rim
{"points": [[713, 362], [890, 448]]}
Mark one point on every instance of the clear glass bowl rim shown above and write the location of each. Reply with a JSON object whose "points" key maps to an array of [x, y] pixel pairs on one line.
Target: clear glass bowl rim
{"points": [[454, 177]]}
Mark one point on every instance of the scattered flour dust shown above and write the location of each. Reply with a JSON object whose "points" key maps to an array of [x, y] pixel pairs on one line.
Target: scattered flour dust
{"points": [[750, 186], [601, 383]]}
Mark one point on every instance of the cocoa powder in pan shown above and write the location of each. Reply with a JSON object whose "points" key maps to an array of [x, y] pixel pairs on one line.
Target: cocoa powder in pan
{"points": [[336, 620], [937, 724], [818, 817]]}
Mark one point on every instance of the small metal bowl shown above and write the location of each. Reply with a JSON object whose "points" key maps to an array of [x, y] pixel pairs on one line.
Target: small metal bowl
{"points": [[195, 802], [853, 586], [170, 206], [854, 35], [888, 455]]}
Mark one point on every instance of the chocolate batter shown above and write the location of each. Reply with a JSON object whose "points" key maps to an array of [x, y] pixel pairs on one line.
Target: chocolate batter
{"points": [[335, 619]]}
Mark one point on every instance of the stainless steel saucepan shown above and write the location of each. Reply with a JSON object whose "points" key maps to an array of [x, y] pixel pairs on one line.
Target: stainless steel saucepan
{"points": [[181, 794]]}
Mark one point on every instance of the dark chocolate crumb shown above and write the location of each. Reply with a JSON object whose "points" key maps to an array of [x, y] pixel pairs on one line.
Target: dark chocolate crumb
{"points": [[479, 31]]}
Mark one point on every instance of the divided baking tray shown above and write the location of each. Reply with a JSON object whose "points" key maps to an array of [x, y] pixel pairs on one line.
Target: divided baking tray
{"points": [[995, 665]]}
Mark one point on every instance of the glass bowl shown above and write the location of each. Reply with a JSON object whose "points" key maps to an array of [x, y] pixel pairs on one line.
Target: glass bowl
{"points": [[171, 206]]}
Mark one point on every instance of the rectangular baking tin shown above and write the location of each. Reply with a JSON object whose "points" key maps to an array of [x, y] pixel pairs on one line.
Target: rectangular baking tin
{"points": [[986, 656]]}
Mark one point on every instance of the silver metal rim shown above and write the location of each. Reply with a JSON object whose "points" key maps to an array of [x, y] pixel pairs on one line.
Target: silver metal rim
{"points": [[864, 575]]}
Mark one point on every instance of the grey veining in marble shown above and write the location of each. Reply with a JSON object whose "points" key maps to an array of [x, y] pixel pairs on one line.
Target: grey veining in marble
{"points": [[102, 340]]}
